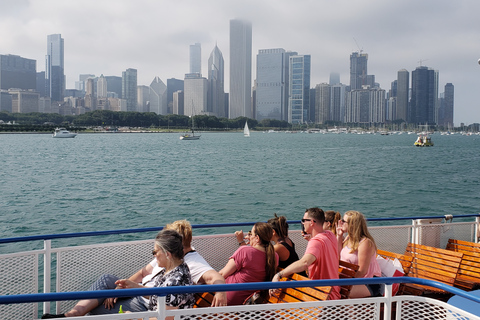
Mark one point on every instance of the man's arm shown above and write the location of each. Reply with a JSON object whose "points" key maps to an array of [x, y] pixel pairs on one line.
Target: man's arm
{"points": [[213, 277], [296, 267]]}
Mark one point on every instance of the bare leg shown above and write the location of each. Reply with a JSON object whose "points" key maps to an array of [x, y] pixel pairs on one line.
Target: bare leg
{"points": [[359, 291], [82, 308]]}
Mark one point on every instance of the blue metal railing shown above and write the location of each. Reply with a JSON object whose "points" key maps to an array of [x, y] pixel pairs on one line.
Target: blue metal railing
{"points": [[163, 291], [198, 226]]}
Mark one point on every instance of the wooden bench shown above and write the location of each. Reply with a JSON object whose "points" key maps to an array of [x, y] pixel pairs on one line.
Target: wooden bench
{"points": [[346, 270], [468, 277], [433, 264]]}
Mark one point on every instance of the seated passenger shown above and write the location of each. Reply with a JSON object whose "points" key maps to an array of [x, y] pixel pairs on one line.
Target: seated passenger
{"points": [[171, 271], [359, 248], [254, 263], [321, 256]]}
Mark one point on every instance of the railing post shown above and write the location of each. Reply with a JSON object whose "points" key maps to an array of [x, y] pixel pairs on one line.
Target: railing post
{"points": [[47, 266], [387, 309], [161, 302], [477, 227]]}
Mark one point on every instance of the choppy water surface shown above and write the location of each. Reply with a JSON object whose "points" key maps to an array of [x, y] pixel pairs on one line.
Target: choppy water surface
{"points": [[118, 181]]}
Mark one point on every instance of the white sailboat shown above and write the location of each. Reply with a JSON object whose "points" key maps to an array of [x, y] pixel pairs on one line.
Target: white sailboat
{"points": [[246, 131], [192, 136]]}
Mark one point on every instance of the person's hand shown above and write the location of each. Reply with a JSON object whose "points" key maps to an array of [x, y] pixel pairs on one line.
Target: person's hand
{"points": [[240, 236], [126, 284], [109, 303], [276, 278], [219, 299], [306, 236]]}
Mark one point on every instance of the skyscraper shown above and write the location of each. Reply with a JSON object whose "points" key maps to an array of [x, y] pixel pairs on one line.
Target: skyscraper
{"points": [[322, 103], [448, 105], [102, 87], [402, 95], [129, 88], [424, 96], [195, 94], [240, 69], [299, 87], [272, 84], [17, 72], [196, 58], [158, 96], [216, 84], [358, 70], [54, 67]]}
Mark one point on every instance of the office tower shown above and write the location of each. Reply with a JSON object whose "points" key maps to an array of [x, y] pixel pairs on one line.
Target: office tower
{"points": [[178, 103], [358, 70], [196, 58], [337, 102], [334, 78], [41, 84], [24, 101], [195, 94], [216, 84], [365, 106], [158, 96], [102, 87], [114, 85], [299, 87], [17, 72], [322, 103], [90, 100], [403, 85], [448, 106], [424, 98], [54, 67], [129, 88], [272, 84], [240, 69], [173, 85]]}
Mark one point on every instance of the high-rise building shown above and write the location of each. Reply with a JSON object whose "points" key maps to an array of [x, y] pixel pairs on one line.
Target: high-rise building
{"points": [[178, 103], [17, 72], [365, 106], [322, 102], [196, 58], [195, 94], [143, 98], [299, 89], [403, 84], [114, 84], [272, 84], [240, 69], [337, 102], [334, 78], [448, 102], [173, 85], [129, 88], [24, 101], [54, 67], [102, 87], [424, 96], [358, 70], [216, 84], [158, 96]]}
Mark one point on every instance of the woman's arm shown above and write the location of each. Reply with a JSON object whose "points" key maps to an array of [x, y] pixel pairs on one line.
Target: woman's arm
{"points": [[366, 249], [213, 277], [140, 274], [229, 269]]}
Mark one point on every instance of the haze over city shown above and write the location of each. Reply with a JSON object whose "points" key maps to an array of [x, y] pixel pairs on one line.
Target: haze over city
{"points": [[107, 37]]}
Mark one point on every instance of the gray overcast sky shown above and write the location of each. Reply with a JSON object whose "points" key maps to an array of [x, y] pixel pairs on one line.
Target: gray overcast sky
{"points": [[153, 36]]}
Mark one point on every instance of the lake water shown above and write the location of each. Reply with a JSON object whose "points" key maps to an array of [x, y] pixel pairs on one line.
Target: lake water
{"points": [[121, 181]]}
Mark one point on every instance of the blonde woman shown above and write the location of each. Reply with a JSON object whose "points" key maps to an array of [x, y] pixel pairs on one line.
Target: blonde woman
{"points": [[358, 247]]}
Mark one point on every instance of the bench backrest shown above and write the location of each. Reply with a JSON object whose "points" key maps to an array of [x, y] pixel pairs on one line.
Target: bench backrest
{"points": [[300, 294], [346, 270], [405, 260], [433, 263], [468, 277]]}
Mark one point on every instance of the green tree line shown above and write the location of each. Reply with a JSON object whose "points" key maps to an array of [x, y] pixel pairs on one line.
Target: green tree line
{"points": [[138, 119]]}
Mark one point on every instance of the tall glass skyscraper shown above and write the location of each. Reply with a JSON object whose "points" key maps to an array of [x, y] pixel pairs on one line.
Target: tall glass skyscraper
{"points": [[299, 89], [54, 67], [196, 58], [424, 96], [216, 84], [240, 69], [402, 95], [129, 88], [358, 70]]}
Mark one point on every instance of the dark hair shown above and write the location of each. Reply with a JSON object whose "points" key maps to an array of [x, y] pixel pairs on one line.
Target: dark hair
{"points": [[170, 241], [280, 225], [333, 217], [316, 214]]}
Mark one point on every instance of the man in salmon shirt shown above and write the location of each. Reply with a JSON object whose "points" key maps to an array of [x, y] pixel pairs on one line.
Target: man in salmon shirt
{"points": [[321, 256]]}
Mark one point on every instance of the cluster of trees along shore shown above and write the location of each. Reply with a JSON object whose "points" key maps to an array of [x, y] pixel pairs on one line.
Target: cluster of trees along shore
{"points": [[46, 122]]}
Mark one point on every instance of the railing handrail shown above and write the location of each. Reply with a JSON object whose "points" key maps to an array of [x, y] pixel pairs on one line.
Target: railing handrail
{"points": [[163, 291], [197, 226]]}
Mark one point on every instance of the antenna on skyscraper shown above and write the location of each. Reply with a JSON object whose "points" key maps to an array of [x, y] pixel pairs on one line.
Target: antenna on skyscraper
{"points": [[359, 49], [421, 60]]}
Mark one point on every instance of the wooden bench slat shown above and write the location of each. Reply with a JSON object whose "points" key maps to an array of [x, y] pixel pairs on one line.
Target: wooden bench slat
{"points": [[468, 276]]}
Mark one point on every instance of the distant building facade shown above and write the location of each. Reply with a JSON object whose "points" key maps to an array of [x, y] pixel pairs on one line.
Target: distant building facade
{"points": [[424, 96], [158, 96], [54, 73], [358, 70], [195, 94], [24, 101], [403, 87], [299, 95], [240, 69], [129, 88], [173, 85], [196, 58], [17, 72], [216, 84]]}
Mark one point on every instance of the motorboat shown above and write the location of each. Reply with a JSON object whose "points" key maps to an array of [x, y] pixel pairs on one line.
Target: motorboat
{"points": [[63, 133], [423, 140]]}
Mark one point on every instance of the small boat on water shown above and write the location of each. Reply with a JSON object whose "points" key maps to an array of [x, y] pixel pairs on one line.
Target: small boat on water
{"points": [[423, 140], [63, 133], [246, 131], [188, 136]]}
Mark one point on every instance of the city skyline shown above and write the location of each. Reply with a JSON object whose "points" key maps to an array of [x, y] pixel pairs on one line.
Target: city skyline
{"points": [[105, 41]]}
